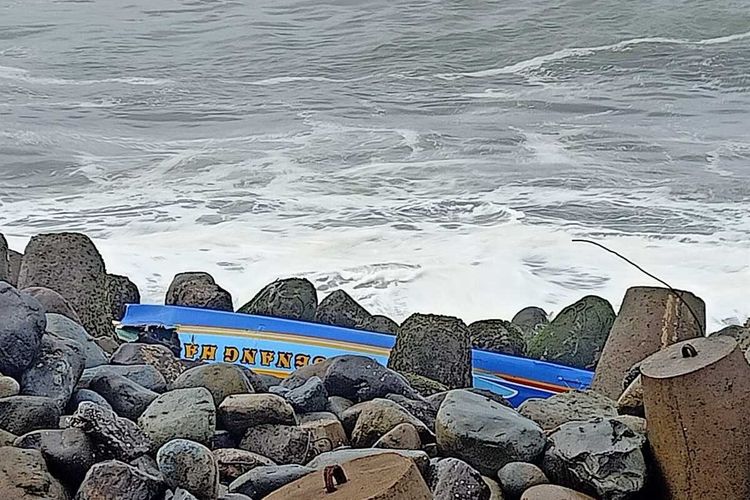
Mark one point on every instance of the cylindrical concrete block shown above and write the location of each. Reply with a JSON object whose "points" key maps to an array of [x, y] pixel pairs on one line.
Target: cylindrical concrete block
{"points": [[696, 396], [650, 319], [386, 476], [553, 492]]}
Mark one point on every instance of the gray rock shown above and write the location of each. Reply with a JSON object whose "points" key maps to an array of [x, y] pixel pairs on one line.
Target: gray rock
{"points": [[114, 437], [338, 457], [126, 398], [308, 398], [70, 264], [340, 309], [301, 375], [517, 477], [436, 347], [21, 330], [182, 280], [4, 260], [380, 416], [55, 372], [497, 335], [7, 438], [24, 476], [53, 303], [198, 290], [425, 386], [234, 463], [118, 480], [338, 405], [22, 414], [484, 433], [495, 492], [148, 465], [69, 452], [14, 259], [63, 327], [239, 412], [82, 395], [121, 291], [144, 375], [180, 414], [360, 378], [554, 411], [221, 379], [179, 494], [262, 481], [601, 457], [454, 479], [379, 324], [530, 319], [292, 298], [9, 387], [158, 356], [278, 390], [234, 496], [402, 437], [191, 466], [422, 409], [283, 444], [222, 439]]}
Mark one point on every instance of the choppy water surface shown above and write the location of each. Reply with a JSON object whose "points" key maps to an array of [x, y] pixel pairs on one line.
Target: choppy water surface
{"points": [[433, 156]]}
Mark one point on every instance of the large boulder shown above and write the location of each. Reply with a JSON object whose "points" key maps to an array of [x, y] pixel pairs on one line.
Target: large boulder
{"points": [[70, 264], [180, 414], [14, 266], [239, 412], [115, 437], [292, 298], [437, 347], [233, 463], [22, 414], [198, 290], [121, 292], [530, 320], [24, 476], [56, 371], [486, 434], [143, 375], [52, 302], [221, 379], [118, 480], [340, 309], [21, 330], [191, 466], [4, 260], [360, 378], [568, 406], [63, 327], [126, 398], [577, 335], [420, 408], [158, 356], [261, 481], [69, 452], [425, 386], [310, 397], [601, 457], [497, 335], [517, 477], [379, 324], [284, 444], [378, 417], [402, 437], [451, 479]]}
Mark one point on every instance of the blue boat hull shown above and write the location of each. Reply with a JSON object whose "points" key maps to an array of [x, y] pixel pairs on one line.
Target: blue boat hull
{"points": [[279, 346]]}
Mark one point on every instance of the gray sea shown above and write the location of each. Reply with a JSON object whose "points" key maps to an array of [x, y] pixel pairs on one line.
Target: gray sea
{"points": [[433, 156]]}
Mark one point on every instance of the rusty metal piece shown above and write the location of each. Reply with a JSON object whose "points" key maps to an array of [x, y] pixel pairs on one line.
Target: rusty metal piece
{"points": [[688, 351], [332, 475]]}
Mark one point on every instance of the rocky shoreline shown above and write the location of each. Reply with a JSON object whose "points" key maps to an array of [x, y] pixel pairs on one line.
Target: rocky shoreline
{"points": [[85, 416]]}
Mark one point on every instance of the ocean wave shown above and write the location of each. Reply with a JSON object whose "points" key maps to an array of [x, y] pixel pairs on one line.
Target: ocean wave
{"points": [[23, 75]]}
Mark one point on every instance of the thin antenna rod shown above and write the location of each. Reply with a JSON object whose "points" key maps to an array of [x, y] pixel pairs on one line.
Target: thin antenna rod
{"points": [[671, 289]]}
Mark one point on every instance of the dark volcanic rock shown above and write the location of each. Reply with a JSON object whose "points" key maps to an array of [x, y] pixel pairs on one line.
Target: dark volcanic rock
{"points": [[497, 335], [565, 407], [262, 481], [182, 413], [52, 302], [451, 479], [24, 476], [4, 260], [198, 290], [301, 375], [21, 330], [117, 480], [22, 414], [379, 324], [179, 494], [143, 375], [360, 378], [530, 319], [126, 398], [14, 261], [425, 386], [338, 405], [378, 417], [70, 264], [283, 444], [115, 437], [436, 347], [239, 412], [340, 309], [310, 397], [233, 463], [292, 298], [65, 328], [82, 395], [158, 356], [484, 433], [222, 439], [422, 409], [69, 452], [517, 477], [577, 335], [221, 379], [56, 371], [191, 466], [121, 291], [601, 457], [402, 437], [148, 465]]}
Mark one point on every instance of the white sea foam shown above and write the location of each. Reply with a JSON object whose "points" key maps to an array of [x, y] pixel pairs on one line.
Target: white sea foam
{"points": [[23, 75]]}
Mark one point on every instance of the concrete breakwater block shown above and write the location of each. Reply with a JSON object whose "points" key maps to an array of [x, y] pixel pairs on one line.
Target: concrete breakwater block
{"points": [[376, 477], [696, 394]]}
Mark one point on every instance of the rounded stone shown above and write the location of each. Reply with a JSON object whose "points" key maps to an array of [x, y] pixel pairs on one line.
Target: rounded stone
{"points": [[340, 309], [121, 292], [9, 387], [517, 477], [182, 413], [52, 302], [221, 379], [21, 330], [190, 466], [239, 412], [292, 298]]}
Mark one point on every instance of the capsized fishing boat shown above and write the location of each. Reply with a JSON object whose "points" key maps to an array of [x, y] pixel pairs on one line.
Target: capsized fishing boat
{"points": [[279, 346]]}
